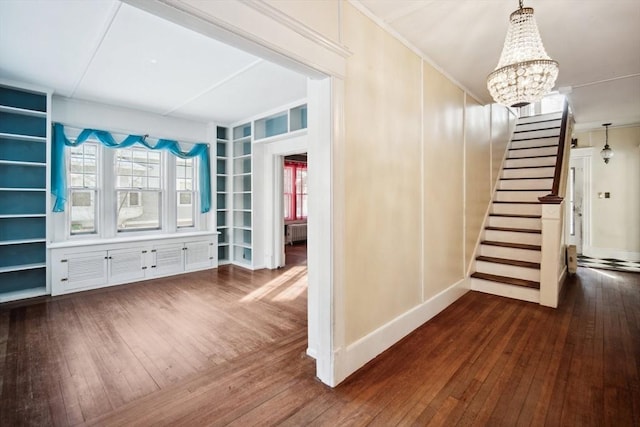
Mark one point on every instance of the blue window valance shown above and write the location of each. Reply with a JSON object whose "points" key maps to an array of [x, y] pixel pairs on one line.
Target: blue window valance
{"points": [[59, 170]]}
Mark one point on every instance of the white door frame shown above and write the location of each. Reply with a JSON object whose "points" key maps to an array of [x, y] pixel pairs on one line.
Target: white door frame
{"points": [[582, 158], [274, 215], [262, 29]]}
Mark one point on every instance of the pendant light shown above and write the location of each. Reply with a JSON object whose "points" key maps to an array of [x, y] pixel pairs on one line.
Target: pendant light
{"points": [[525, 73], [607, 152]]}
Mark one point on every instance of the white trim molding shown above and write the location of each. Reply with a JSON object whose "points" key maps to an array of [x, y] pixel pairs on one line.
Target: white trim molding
{"points": [[368, 347], [622, 255]]}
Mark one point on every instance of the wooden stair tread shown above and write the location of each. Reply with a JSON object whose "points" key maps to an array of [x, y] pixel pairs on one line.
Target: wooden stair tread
{"points": [[507, 280], [512, 245], [505, 261], [517, 203], [535, 130], [537, 121], [535, 147], [538, 137], [529, 167], [514, 230], [533, 177], [531, 157], [517, 216], [523, 189]]}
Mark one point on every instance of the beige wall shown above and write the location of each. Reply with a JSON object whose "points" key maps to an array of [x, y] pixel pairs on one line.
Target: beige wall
{"points": [[322, 16], [443, 182], [502, 125], [400, 155], [615, 222], [478, 184], [382, 177]]}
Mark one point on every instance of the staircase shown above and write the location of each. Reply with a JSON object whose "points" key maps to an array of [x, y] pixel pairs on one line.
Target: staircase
{"points": [[508, 261]]}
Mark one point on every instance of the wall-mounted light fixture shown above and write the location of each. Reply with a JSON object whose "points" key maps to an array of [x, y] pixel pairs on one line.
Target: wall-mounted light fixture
{"points": [[607, 152]]}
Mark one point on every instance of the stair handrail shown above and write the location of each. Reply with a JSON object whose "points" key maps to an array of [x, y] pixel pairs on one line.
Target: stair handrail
{"points": [[554, 197]]}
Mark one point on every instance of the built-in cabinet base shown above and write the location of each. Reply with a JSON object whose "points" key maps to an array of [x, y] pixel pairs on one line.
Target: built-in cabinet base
{"points": [[78, 266]]}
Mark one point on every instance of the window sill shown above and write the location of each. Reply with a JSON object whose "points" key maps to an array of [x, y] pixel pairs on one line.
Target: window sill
{"points": [[129, 239]]}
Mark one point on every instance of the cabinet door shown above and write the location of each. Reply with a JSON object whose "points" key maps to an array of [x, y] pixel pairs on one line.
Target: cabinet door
{"points": [[167, 259], [82, 271], [126, 265], [199, 255]]}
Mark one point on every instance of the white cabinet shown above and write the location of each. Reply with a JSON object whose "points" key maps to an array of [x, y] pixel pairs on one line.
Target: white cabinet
{"points": [[82, 266], [84, 270], [127, 265], [198, 255], [167, 259]]}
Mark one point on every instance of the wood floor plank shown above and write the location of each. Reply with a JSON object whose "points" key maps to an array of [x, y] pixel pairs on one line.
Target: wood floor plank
{"points": [[227, 347]]}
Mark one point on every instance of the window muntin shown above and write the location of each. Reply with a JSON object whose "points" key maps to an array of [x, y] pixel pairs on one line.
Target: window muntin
{"points": [[185, 192], [83, 188], [138, 189], [295, 191]]}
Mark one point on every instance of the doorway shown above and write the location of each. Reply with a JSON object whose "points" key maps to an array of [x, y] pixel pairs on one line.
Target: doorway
{"points": [[578, 207], [293, 197]]}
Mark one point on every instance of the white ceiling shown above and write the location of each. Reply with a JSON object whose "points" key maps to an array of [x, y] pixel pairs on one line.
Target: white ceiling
{"points": [[596, 42], [110, 52]]}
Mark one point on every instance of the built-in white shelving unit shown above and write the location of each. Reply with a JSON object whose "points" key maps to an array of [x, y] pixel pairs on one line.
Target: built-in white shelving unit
{"points": [[242, 218], [222, 195], [24, 136]]}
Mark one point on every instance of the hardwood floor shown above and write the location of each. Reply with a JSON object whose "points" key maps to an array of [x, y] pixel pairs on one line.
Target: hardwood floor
{"points": [[227, 348]]}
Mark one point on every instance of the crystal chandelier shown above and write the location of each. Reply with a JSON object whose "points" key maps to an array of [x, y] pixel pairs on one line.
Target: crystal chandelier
{"points": [[525, 73]]}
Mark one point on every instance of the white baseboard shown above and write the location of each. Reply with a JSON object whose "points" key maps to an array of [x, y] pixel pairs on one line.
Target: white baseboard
{"points": [[357, 354], [594, 252], [311, 352]]}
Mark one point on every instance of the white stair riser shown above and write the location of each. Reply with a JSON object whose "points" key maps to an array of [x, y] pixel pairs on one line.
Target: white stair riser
{"points": [[510, 253], [520, 196], [541, 117], [509, 291], [544, 133], [511, 222], [506, 270], [535, 151], [513, 237], [529, 173], [532, 143], [539, 125], [526, 184], [537, 161], [509, 208]]}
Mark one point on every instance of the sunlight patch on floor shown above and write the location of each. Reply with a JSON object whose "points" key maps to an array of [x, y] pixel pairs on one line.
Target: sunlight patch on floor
{"points": [[287, 286]]}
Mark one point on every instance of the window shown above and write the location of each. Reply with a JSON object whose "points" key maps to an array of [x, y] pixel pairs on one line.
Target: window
{"points": [[295, 191], [138, 189], [83, 187], [185, 173]]}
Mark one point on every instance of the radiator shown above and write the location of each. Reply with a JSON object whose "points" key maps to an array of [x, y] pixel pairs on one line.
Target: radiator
{"points": [[296, 233]]}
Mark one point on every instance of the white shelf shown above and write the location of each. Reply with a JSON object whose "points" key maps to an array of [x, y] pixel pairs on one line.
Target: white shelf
{"points": [[22, 267], [241, 227], [21, 241], [242, 210], [223, 244], [243, 245], [21, 189], [242, 192], [243, 139], [17, 163], [22, 111], [27, 293], [242, 174], [23, 137], [23, 216], [243, 156], [222, 210]]}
